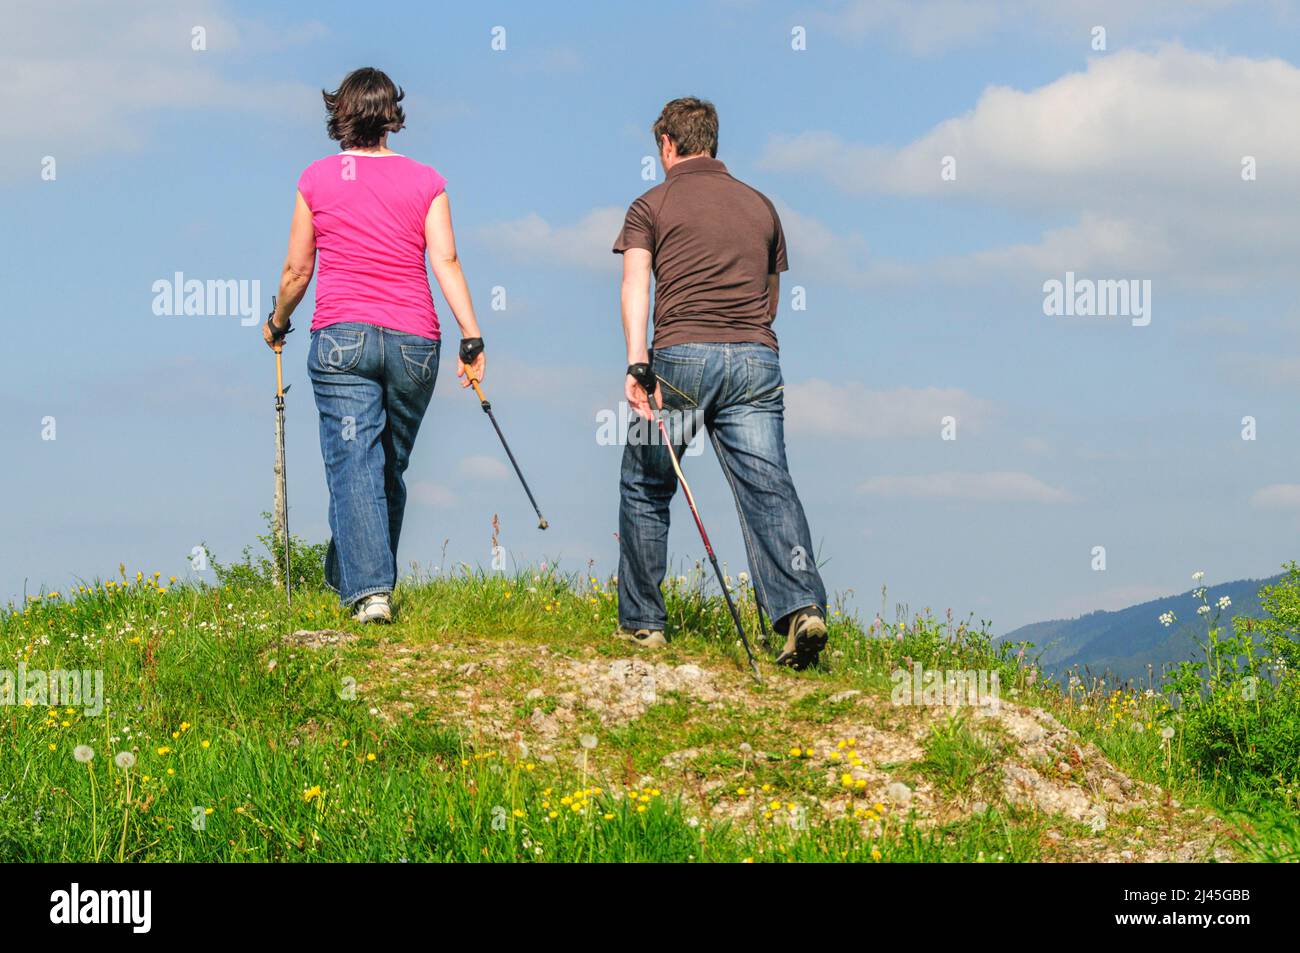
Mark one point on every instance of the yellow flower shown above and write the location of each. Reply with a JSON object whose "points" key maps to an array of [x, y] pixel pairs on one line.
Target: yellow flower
{"points": [[54, 747], [311, 793], [370, 756], [171, 771], [875, 853], [208, 744], [518, 813], [164, 750], [609, 817]]}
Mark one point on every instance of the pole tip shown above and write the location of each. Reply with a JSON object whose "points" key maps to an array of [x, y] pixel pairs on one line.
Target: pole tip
{"points": [[542, 524]]}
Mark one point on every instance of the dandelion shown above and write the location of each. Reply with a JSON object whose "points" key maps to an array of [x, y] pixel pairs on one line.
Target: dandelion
{"points": [[124, 760], [588, 741], [83, 753], [311, 793], [1167, 732]]}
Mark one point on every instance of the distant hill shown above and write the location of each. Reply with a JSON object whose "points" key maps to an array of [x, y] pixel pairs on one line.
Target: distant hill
{"points": [[1126, 641]]}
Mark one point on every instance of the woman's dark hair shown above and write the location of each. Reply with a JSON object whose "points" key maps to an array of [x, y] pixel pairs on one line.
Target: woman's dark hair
{"points": [[363, 108]]}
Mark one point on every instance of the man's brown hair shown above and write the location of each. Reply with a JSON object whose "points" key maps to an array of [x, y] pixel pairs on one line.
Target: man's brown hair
{"points": [[691, 124], [363, 108]]}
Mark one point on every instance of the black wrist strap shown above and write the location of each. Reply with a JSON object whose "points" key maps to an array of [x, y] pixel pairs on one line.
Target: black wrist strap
{"points": [[470, 349], [644, 374], [277, 335]]}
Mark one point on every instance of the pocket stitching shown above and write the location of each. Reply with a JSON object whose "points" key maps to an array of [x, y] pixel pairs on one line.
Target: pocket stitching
{"points": [[335, 346], [409, 362]]}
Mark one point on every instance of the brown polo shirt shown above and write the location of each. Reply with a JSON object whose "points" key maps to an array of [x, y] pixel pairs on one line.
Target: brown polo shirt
{"points": [[714, 240]]}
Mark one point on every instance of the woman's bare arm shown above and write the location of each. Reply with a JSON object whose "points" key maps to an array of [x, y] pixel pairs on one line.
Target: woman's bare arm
{"points": [[299, 264], [441, 240]]}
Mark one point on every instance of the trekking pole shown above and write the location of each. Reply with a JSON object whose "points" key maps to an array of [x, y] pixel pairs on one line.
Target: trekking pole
{"points": [[487, 409], [641, 378], [282, 488]]}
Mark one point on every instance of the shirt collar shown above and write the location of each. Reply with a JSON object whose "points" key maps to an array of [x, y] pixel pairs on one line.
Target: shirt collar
{"points": [[698, 164]]}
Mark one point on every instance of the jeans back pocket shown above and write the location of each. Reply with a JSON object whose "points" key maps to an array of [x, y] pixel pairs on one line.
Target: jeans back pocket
{"points": [[339, 350], [681, 377], [421, 362]]}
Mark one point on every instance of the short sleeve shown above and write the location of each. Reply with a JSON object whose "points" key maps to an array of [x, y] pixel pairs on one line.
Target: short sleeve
{"points": [[776, 259], [306, 181], [638, 229], [437, 184]]}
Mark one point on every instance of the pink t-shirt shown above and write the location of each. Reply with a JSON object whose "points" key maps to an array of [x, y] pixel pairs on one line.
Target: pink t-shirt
{"points": [[368, 212]]}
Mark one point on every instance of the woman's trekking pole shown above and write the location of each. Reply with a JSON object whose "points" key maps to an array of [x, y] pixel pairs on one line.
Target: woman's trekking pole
{"points": [[487, 409], [282, 487], [645, 377]]}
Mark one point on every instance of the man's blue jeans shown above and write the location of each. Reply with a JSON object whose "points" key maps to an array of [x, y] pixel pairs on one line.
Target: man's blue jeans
{"points": [[736, 392], [372, 387]]}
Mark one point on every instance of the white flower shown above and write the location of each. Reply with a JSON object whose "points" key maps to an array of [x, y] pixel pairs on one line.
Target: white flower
{"points": [[1197, 576], [83, 753], [744, 578], [1166, 619], [124, 760], [588, 741], [1166, 733], [1202, 610], [1224, 602]]}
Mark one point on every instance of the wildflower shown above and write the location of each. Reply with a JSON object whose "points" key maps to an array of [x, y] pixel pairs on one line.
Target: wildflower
{"points": [[370, 756], [1224, 602], [1202, 610], [311, 793], [208, 744], [83, 753], [124, 760], [1166, 619], [1197, 576], [588, 741], [164, 750]]}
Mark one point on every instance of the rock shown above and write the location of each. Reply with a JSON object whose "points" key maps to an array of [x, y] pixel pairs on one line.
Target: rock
{"points": [[319, 638], [467, 670], [534, 694], [689, 672], [843, 696], [979, 807], [899, 793]]}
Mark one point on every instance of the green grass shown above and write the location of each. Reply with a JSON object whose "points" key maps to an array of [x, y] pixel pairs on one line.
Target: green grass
{"points": [[247, 749]]}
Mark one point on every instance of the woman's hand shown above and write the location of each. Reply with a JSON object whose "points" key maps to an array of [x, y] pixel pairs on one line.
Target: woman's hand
{"points": [[472, 371]]}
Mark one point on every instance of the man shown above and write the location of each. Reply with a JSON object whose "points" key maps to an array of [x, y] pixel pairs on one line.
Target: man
{"points": [[716, 250]]}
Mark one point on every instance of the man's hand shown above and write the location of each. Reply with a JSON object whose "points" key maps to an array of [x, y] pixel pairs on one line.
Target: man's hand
{"points": [[637, 398]]}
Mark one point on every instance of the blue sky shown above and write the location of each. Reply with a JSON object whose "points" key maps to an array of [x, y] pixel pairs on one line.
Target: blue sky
{"points": [[924, 295]]}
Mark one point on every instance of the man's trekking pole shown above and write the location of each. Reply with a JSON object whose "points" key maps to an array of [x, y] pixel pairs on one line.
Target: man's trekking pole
{"points": [[282, 486], [645, 377], [470, 348]]}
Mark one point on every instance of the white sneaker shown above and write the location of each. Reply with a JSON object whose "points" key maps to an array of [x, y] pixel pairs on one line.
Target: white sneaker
{"points": [[373, 609]]}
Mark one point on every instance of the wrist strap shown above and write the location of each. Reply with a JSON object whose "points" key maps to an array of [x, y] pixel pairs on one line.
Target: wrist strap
{"points": [[470, 349]]}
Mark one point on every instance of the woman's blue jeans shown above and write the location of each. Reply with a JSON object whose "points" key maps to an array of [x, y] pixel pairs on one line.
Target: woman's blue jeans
{"points": [[372, 387]]}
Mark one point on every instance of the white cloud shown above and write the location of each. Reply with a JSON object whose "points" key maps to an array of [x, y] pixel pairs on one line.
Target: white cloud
{"points": [[82, 78], [431, 494], [1001, 486], [928, 27], [584, 244], [821, 408], [1138, 157], [483, 468], [1277, 496], [819, 253]]}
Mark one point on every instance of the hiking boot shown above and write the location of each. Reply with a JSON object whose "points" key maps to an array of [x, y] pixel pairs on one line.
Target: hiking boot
{"points": [[373, 609], [805, 639], [646, 638]]}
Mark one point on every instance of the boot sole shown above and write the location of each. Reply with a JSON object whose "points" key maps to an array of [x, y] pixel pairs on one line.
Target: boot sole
{"points": [[807, 648]]}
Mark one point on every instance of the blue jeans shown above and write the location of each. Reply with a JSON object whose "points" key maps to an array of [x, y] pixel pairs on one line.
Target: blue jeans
{"points": [[736, 392], [372, 387]]}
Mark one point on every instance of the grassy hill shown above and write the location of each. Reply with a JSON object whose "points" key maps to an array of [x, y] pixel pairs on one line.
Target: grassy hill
{"points": [[1132, 644], [498, 720]]}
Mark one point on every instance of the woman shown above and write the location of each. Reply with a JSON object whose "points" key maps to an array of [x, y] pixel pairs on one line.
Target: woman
{"points": [[371, 214]]}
